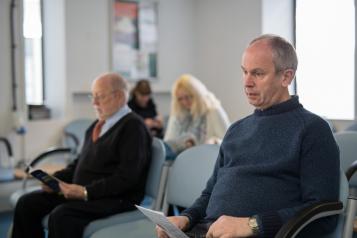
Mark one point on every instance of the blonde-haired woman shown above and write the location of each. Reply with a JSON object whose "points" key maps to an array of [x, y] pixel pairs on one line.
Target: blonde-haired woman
{"points": [[196, 117]]}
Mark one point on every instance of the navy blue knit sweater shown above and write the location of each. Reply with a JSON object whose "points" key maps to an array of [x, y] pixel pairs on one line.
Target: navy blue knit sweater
{"points": [[272, 164]]}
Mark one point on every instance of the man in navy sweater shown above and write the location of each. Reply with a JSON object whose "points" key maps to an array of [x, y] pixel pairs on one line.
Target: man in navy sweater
{"points": [[108, 177], [272, 163]]}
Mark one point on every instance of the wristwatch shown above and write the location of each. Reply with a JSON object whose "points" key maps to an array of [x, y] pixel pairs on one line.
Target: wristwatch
{"points": [[253, 224], [85, 193]]}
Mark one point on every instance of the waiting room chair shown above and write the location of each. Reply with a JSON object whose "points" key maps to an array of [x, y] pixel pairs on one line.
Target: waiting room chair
{"points": [[292, 228], [189, 175], [6, 162], [155, 186], [182, 190], [74, 133], [330, 124], [186, 180], [67, 155], [352, 127], [347, 142]]}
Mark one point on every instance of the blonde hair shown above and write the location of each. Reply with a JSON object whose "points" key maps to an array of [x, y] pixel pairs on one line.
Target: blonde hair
{"points": [[202, 99]]}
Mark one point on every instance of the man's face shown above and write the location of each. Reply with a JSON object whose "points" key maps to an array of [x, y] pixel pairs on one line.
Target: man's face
{"points": [[263, 86], [105, 100]]}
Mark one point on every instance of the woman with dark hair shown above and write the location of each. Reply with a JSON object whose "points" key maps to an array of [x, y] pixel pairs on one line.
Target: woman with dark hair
{"points": [[142, 103]]}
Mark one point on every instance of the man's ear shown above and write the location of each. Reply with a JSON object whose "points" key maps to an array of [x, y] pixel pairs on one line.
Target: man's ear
{"points": [[121, 98], [288, 76]]}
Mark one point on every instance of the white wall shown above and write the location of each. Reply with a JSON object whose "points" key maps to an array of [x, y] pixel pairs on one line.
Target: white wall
{"points": [[87, 44], [78, 50], [88, 48], [55, 57], [5, 69], [224, 29], [9, 120], [87, 51], [278, 18], [177, 37], [202, 37]]}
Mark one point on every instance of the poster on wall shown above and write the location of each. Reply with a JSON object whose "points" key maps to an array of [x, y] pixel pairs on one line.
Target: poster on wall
{"points": [[135, 39]]}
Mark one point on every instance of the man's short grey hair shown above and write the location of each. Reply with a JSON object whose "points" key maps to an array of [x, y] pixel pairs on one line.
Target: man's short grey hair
{"points": [[284, 54]]}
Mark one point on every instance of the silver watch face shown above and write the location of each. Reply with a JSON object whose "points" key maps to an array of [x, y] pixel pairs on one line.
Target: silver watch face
{"points": [[253, 224]]}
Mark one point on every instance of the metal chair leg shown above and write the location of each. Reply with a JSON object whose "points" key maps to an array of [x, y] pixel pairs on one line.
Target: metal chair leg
{"points": [[350, 217]]}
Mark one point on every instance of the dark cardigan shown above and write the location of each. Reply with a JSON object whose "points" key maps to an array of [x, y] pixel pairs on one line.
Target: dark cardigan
{"points": [[116, 165]]}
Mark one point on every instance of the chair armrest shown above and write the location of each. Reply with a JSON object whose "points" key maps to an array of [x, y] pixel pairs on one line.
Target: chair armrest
{"points": [[307, 215], [351, 170], [43, 156], [72, 137], [47, 153], [8, 145]]}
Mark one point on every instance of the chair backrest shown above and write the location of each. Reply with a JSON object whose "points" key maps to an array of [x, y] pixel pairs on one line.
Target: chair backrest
{"points": [[75, 132], [343, 196], [300, 225], [347, 143], [189, 174], [6, 161], [330, 124], [352, 127], [157, 175]]}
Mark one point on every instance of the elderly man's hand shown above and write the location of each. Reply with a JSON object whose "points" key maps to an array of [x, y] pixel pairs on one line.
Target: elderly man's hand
{"points": [[46, 188], [180, 221], [149, 122], [72, 191], [189, 143], [230, 227]]}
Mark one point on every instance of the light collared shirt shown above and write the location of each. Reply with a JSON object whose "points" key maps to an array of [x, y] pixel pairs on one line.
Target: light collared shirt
{"points": [[110, 122]]}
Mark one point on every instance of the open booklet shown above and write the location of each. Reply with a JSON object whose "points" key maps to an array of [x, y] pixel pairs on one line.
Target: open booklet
{"points": [[180, 143], [45, 178], [160, 219]]}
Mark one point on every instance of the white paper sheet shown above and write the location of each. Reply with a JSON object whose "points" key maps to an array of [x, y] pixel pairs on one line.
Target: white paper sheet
{"points": [[159, 219]]}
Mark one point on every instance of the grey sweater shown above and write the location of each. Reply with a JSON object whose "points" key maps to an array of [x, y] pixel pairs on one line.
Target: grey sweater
{"points": [[272, 164]]}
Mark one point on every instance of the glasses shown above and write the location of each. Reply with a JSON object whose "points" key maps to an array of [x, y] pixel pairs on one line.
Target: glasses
{"points": [[100, 97], [184, 98]]}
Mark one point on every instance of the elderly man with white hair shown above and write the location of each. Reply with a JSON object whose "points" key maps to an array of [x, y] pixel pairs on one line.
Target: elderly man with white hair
{"points": [[108, 177]]}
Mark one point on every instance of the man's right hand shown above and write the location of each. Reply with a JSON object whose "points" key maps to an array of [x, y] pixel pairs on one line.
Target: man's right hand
{"points": [[189, 143], [181, 222], [46, 188]]}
